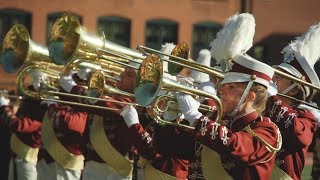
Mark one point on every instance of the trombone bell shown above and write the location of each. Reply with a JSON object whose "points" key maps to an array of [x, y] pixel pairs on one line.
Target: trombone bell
{"points": [[18, 48], [150, 80], [68, 40]]}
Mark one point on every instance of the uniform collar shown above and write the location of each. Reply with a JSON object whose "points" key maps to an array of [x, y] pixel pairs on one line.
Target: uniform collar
{"points": [[239, 122]]}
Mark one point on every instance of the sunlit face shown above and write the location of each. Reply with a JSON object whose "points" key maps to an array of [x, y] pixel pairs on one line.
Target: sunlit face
{"points": [[230, 94], [127, 79]]}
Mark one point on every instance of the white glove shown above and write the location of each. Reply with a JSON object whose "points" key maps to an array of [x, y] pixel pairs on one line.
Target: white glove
{"points": [[188, 81], [130, 115], [208, 87], [38, 78], [189, 107], [4, 101], [84, 73], [66, 82], [272, 89]]}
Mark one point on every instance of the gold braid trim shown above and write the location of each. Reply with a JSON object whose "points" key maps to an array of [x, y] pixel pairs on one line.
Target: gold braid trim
{"points": [[267, 145]]}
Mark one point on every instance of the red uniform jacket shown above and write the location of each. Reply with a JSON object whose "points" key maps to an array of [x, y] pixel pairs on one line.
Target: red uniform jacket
{"points": [[169, 149], [70, 124], [26, 124], [116, 129], [242, 155], [297, 127]]}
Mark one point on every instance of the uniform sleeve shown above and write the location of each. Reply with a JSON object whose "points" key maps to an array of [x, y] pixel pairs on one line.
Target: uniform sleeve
{"points": [[299, 123], [240, 145], [28, 118], [25, 125], [165, 141], [143, 142], [67, 118]]}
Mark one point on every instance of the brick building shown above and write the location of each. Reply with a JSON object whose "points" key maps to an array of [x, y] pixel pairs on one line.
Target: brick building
{"points": [[152, 22]]}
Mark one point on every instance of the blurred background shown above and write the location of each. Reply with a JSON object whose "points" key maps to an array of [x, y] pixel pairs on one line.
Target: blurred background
{"points": [[154, 22]]}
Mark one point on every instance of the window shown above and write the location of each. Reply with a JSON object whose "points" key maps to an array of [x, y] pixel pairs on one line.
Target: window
{"points": [[160, 31], [51, 19], [10, 17], [259, 52], [116, 29], [203, 33]]}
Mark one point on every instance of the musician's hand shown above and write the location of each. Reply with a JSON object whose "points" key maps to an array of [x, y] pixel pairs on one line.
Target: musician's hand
{"points": [[66, 82], [4, 101], [208, 87], [130, 115], [84, 73], [189, 107], [38, 78], [187, 81], [6, 116]]}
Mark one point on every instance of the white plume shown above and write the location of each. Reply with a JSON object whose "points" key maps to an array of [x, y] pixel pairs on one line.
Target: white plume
{"points": [[204, 58], [167, 49], [236, 37], [306, 46]]}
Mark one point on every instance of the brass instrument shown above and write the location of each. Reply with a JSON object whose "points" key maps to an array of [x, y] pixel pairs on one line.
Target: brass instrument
{"points": [[97, 86], [175, 62], [150, 80], [20, 52], [219, 74], [69, 42]]}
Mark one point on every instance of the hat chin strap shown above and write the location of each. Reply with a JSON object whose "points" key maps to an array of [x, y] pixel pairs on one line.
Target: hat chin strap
{"points": [[243, 97], [289, 88]]}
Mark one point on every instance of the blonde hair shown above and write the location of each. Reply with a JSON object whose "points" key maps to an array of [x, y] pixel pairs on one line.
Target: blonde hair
{"points": [[261, 97]]}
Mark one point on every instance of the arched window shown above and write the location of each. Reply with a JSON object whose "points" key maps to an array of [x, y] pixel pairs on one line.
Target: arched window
{"points": [[116, 29], [160, 31], [203, 33], [51, 19], [10, 17]]}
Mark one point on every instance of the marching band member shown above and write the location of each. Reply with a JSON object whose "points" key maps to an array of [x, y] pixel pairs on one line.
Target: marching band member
{"points": [[248, 142], [315, 173], [297, 122], [109, 151], [63, 137], [168, 149], [5, 135], [26, 131]]}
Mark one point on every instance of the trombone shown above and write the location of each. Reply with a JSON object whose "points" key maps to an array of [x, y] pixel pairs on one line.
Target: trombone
{"points": [[69, 41], [150, 80], [21, 53], [178, 61]]}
